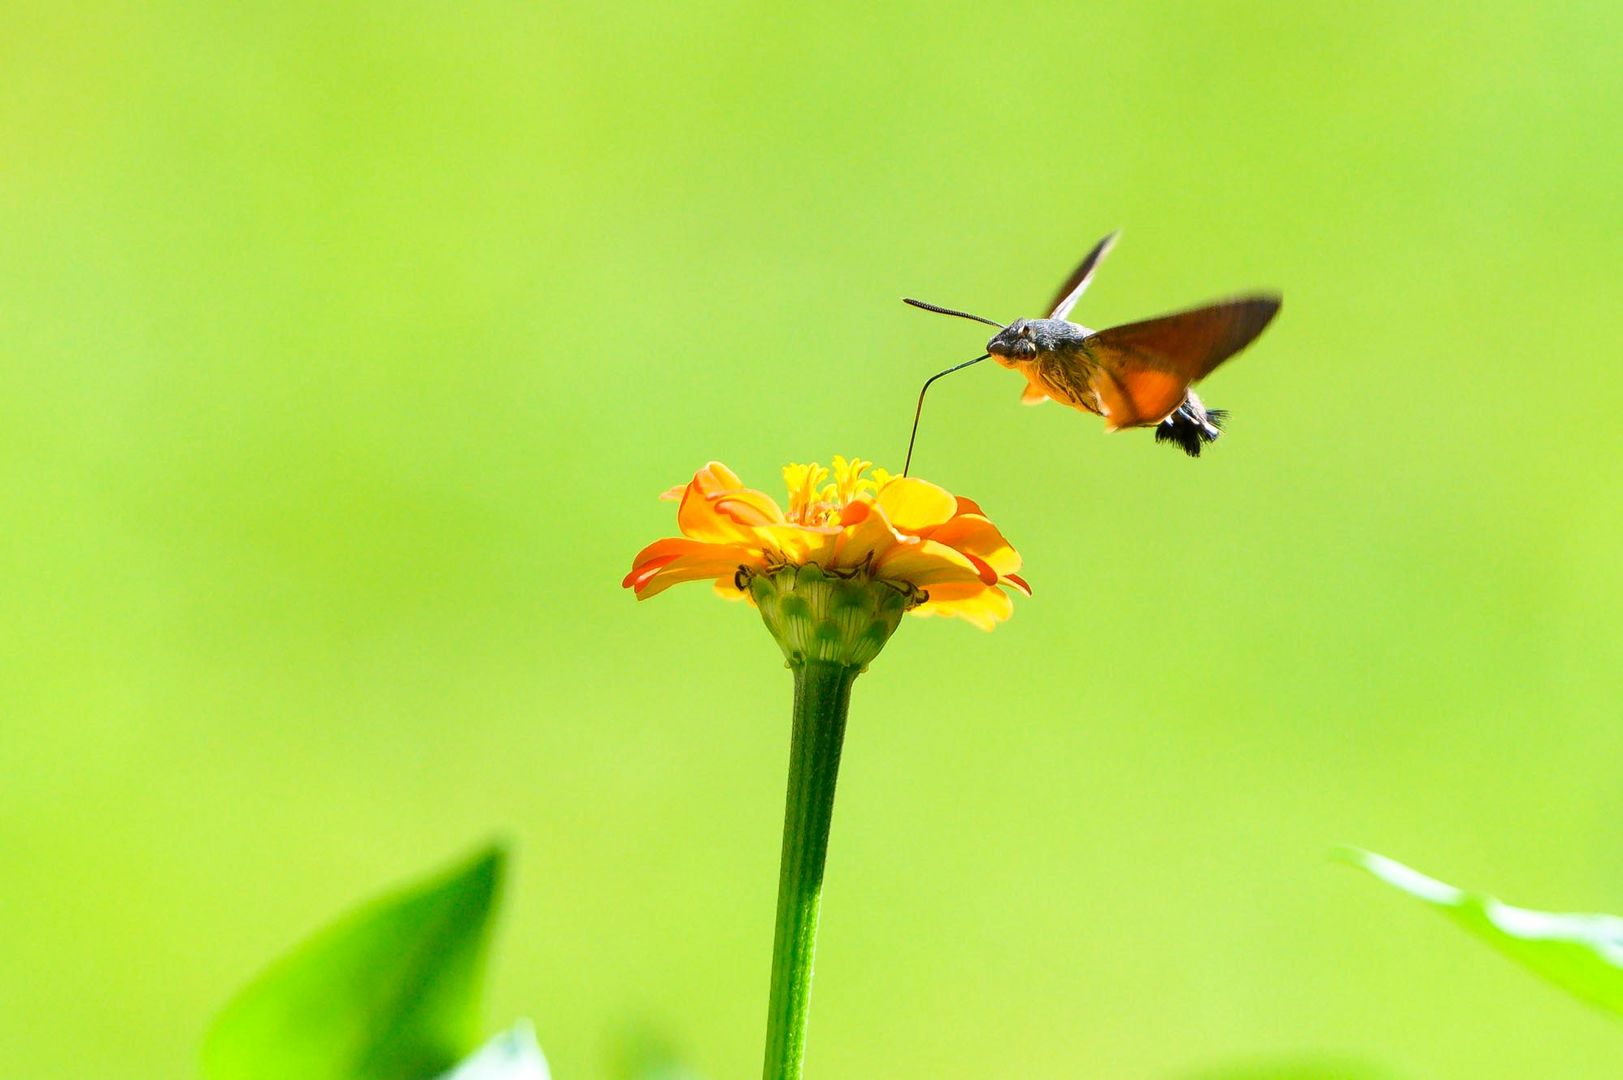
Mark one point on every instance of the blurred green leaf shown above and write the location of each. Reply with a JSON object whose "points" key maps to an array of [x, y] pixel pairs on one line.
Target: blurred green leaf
{"points": [[387, 993], [512, 1055], [1582, 954]]}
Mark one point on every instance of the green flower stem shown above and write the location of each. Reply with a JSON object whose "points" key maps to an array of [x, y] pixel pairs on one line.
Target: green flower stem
{"points": [[822, 695]]}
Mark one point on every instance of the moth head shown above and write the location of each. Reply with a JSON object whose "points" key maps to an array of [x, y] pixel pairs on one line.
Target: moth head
{"points": [[1017, 341]]}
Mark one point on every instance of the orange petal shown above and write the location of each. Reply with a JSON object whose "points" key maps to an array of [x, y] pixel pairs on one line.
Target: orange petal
{"points": [[912, 504], [703, 517], [925, 563], [717, 477], [658, 554], [671, 545], [866, 540], [976, 536], [716, 563], [988, 575], [749, 507], [641, 572], [697, 518]]}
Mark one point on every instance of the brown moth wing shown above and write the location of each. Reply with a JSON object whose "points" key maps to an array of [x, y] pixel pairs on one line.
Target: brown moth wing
{"points": [[1070, 292], [1139, 398], [1145, 368]]}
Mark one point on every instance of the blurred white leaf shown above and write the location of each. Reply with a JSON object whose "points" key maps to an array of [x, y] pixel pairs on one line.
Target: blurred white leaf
{"points": [[512, 1055], [1581, 953]]}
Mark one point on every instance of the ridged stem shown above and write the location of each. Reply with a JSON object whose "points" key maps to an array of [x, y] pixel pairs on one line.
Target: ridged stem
{"points": [[822, 696]]}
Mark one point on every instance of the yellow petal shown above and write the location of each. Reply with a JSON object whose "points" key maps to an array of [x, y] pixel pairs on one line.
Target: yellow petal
{"points": [[913, 504], [728, 589], [925, 563], [983, 605], [801, 544], [865, 538]]}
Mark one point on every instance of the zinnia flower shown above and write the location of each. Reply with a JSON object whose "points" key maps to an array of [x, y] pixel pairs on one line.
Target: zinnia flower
{"points": [[832, 577], [938, 551]]}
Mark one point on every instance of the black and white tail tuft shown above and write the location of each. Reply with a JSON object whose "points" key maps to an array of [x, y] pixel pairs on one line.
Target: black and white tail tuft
{"points": [[1191, 426]]}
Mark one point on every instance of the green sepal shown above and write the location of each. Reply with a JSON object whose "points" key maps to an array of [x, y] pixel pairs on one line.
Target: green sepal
{"points": [[816, 615]]}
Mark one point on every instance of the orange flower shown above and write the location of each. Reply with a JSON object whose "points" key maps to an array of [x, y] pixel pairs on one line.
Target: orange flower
{"points": [[858, 524]]}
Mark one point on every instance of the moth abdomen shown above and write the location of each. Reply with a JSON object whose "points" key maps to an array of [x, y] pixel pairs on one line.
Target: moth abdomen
{"points": [[1191, 425]]}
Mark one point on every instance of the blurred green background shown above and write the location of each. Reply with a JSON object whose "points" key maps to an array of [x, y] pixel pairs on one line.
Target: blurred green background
{"points": [[346, 348]]}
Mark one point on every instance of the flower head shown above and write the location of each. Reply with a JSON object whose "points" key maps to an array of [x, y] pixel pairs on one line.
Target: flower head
{"points": [[900, 543]]}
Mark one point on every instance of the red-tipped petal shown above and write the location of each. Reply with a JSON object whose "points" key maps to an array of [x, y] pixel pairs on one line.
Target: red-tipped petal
{"points": [[712, 565], [643, 571], [988, 575]]}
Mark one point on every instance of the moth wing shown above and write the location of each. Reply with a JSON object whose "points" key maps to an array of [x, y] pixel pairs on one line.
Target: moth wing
{"points": [[1075, 285], [1145, 368]]}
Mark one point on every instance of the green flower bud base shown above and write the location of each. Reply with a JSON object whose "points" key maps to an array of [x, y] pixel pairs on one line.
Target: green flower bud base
{"points": [[816, 615]]}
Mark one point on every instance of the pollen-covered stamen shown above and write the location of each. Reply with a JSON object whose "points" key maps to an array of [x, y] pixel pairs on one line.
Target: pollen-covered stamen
{"points": [[805, 483], [851, 481], [815, 502], [823, 512]]}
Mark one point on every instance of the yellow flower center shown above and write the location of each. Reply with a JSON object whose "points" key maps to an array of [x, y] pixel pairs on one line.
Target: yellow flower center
{"points": [[815, 501]]}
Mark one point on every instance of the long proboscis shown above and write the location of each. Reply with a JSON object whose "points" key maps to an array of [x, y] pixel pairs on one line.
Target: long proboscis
{"points": [[919, 411]]}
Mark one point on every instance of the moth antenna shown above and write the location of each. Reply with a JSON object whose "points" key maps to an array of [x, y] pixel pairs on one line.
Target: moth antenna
{"points": [[949, 311], [907, 464]]}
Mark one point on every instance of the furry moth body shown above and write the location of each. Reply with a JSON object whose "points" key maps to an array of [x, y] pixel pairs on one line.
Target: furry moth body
{"points": [[1135, 375]]}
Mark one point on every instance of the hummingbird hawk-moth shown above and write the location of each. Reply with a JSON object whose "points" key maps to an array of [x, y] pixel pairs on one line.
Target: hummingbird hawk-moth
{"points": [[1135, 375]]}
